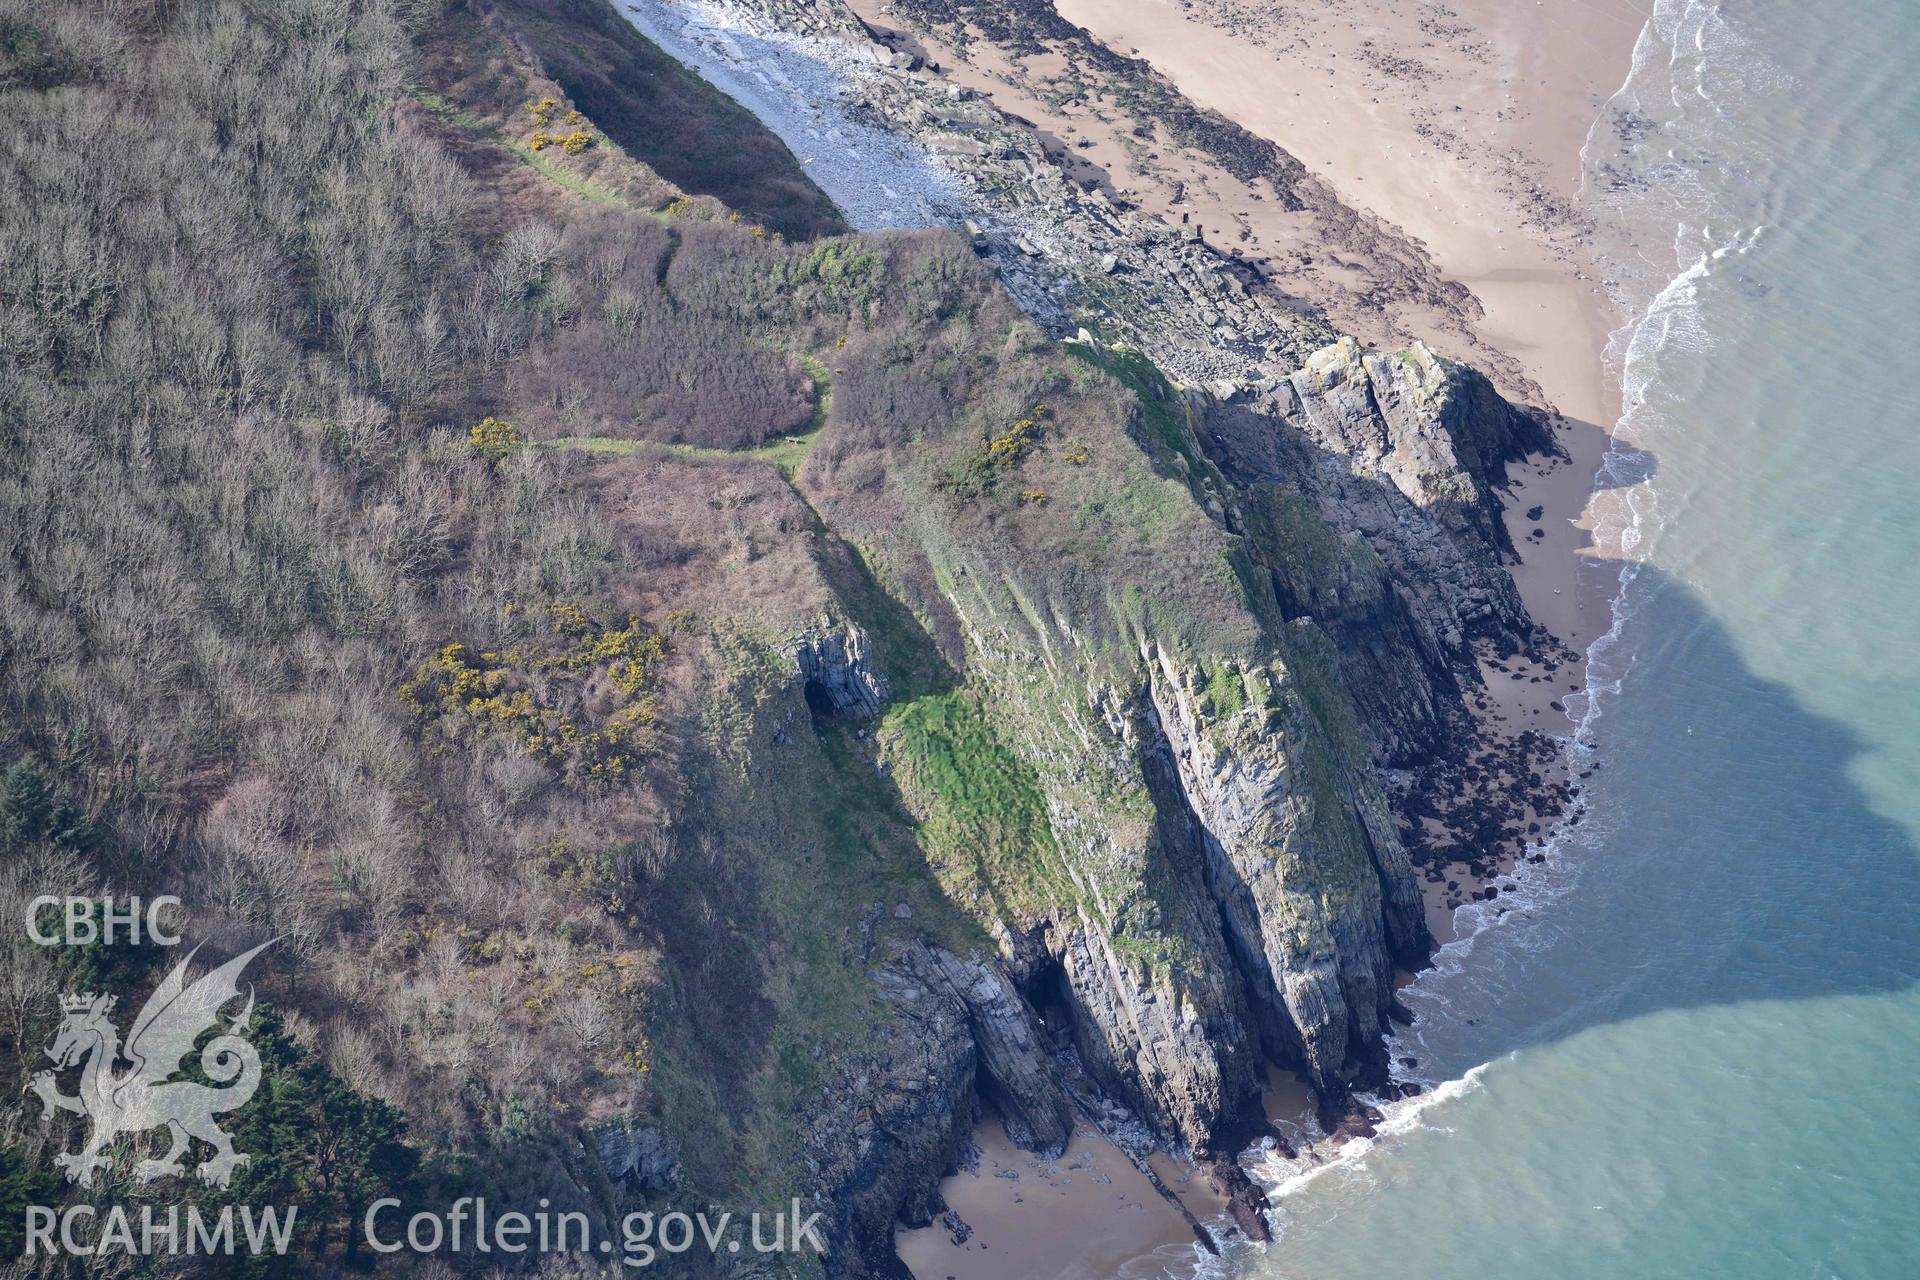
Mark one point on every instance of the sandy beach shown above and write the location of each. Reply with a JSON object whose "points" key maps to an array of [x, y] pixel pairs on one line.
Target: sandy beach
{"points": [[1088, 1215]]}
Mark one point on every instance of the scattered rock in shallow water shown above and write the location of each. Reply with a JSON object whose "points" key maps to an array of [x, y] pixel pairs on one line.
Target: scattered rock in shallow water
{"points": [[1356, 1123]]}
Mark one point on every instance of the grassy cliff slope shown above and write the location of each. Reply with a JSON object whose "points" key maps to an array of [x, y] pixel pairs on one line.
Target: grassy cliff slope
{"points": [[682, 683]]}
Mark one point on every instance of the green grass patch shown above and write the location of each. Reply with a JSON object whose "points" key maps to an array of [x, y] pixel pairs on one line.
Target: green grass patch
{"points": [[1226, 690], [1142, 506], [1163, 413], [983, 822], [788, 453]]}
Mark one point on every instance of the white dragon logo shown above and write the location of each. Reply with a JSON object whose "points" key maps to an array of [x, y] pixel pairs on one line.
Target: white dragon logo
{"points": [[143, 1097]]}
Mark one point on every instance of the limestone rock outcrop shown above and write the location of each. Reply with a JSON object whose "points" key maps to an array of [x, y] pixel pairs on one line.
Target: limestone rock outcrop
{"points": [[1016, 1069], [1367, 481], [836, 664], [888, 1125], [1317, 905]]}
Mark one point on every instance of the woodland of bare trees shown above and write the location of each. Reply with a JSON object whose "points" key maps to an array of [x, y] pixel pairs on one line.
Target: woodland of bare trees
{"points": [[250, 313], [242, 312]]}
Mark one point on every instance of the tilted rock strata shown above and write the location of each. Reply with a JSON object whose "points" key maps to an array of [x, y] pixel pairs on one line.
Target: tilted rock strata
{"points": [[1399, 454], [836, 665], [1315, 912], [889, 1124], [1255, 886], [1015, 1060], [1235, 887]]}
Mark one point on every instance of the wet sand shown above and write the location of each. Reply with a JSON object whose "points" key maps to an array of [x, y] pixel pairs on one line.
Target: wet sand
{"points": [[1089, 1215]]}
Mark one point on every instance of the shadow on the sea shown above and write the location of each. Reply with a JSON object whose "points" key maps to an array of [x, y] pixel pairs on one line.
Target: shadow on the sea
{"points": [[1623, 467], [1729, 855]]}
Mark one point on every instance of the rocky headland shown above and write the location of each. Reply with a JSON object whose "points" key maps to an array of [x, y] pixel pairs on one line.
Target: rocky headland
{"points": [[1238, 844], [747, 667]]}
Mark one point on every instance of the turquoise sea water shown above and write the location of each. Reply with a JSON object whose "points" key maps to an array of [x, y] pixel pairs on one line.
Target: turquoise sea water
{"points": [[1696, 1051]]}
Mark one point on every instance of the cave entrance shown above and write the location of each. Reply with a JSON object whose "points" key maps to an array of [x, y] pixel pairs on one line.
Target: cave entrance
{"points": [[1052, 1000], [819, 701]]}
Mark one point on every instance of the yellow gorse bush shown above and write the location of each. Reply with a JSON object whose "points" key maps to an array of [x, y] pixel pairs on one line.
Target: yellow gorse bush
{"points": [[588, 706], [1002, 453], [492, 438], [579, 135], [1018, 440]]}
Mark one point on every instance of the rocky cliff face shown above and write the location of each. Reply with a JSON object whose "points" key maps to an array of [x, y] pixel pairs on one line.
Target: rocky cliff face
{"points": [[1238, 887], [1200, 625], [894, 1118], [836, 667], [1224, 882], [1015, 1061], [889, 1123], [1411, 447], [1314, 912], [1220, 881], [1372, 476]]}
